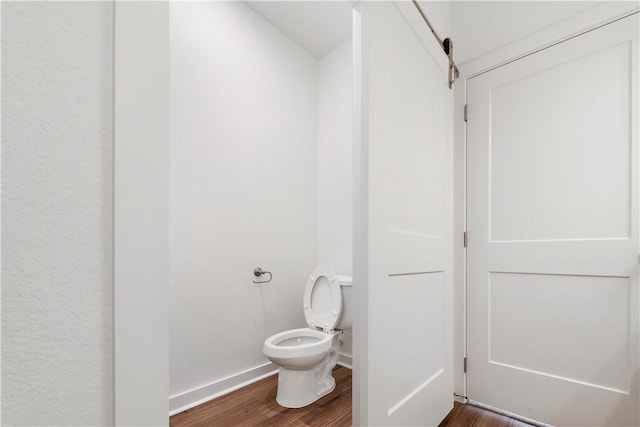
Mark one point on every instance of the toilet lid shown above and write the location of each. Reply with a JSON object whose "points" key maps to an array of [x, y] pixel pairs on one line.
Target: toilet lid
{"points": [[323, 299]]}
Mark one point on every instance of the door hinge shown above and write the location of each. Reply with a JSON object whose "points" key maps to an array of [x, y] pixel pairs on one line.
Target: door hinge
{"points": [[465, 365], [466, 112], [466, 239]]}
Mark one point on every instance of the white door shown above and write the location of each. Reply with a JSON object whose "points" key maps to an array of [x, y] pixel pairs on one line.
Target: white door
{"points": [[552, 218], [407, 151]]}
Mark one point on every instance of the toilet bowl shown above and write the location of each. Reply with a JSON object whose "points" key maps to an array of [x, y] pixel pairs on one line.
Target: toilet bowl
{"points": [[306, 356]]}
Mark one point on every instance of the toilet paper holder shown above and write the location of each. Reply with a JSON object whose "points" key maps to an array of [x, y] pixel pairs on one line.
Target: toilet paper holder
{"points": [[258, 271]]}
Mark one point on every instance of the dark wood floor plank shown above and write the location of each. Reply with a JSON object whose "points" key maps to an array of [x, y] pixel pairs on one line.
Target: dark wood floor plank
{"points": [[255, 406], [471, 416]]}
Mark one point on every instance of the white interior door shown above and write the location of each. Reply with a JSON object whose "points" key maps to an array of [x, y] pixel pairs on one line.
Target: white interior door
{"points": [[552, 143], [406, 146]]}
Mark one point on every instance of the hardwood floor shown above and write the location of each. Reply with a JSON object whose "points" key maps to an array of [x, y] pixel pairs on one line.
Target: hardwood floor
{"points": [[255, 405], [471, 416]]}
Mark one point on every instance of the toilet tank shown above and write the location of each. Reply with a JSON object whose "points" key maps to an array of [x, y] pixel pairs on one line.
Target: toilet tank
{"points": [[346, 320]]}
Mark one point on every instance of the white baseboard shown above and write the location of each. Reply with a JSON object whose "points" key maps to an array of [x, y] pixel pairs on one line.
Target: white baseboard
{"points": [[189, 399], [345, 360]]}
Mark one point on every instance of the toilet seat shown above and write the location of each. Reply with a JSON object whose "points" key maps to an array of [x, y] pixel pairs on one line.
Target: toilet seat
{"points": [[303, 342], [323, 299]]}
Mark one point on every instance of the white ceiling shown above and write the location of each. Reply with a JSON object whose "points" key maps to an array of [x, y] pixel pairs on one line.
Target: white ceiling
{"points": [[482, 26], [317, 26]]}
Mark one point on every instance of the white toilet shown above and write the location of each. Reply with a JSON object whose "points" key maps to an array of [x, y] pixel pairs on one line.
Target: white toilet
{"points": [[307, 356]]}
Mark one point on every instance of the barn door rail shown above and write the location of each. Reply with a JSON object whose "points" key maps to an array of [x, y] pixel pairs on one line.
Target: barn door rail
{"points": [[446, 44]]}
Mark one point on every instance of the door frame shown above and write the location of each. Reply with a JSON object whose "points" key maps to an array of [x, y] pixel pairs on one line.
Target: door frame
{"points": [[141, 213], [583, 22], [141, 186], [360, 131]]}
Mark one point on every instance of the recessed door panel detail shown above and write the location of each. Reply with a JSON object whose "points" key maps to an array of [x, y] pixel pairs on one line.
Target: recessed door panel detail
{"points": [[413, 162], [573, 328], [559, 150], [412, 347]]}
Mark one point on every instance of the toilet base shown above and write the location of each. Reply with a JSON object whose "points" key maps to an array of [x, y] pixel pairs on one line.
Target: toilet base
{"points": [[298, 388]]}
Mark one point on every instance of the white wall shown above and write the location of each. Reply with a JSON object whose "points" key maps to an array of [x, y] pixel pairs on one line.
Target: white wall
{"points": [[439, 15], [243, 188], [335, 179], [57, 220], [335, 159]]}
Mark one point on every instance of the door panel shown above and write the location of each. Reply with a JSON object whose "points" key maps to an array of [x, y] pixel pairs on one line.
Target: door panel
{"points": [[552, 261], [520, 338], [589, 199], [407, 121]]}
